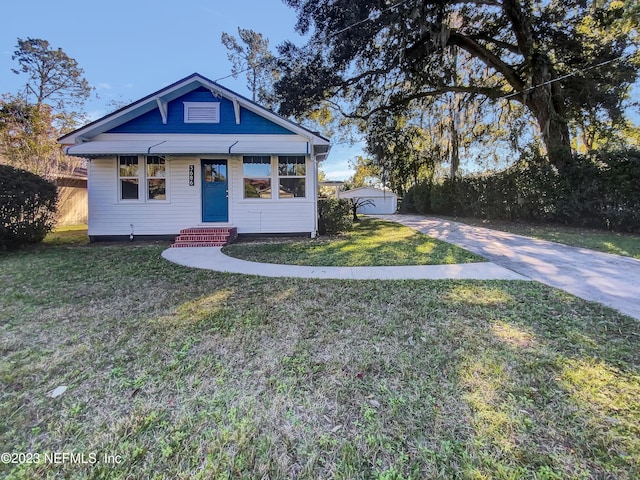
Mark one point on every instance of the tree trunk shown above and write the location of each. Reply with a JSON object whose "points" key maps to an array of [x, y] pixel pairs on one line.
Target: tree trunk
{"points": [[542, 93], [454, 149], [546, 103]]}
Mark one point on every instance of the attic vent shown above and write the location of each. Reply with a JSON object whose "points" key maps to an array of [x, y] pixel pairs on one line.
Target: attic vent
{"points": [[201, 112]]}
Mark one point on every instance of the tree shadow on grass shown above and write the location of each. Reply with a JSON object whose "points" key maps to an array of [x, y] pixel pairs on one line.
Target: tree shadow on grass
{"points": [[372, 243], [199, 373]]}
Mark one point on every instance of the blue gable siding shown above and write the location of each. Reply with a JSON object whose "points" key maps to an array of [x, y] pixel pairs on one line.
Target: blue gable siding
{"points": [[250, 123]]}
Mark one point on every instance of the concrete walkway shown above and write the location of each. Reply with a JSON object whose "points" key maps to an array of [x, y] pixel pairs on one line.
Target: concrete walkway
{"points": [[211, 258], [600, 277]]}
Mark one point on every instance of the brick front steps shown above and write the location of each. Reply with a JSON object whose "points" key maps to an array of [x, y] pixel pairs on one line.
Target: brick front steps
{"points": [[206, 237]]}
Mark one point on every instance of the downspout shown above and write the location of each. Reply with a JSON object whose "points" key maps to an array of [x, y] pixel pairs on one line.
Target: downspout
{"points": [[149, 149], [232, 145], [314, 234], [315, 185]]}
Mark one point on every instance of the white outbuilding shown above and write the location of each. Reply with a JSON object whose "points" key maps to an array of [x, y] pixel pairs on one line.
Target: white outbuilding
{"points": [[383, 202]]}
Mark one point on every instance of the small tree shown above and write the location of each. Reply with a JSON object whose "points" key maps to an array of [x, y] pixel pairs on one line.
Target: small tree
{"points": [[30, 121], [28, 138], [357, 203]]}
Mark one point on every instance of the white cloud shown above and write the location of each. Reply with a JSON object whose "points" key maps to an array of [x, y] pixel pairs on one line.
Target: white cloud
{"points": [[104, 86]]}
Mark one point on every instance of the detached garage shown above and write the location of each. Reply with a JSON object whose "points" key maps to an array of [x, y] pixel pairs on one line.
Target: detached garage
{"points": [[384, 202]]}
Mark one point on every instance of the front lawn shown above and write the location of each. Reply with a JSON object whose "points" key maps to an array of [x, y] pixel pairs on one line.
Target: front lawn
{"points": [[371, 242], [67, 234], [182, 373]]}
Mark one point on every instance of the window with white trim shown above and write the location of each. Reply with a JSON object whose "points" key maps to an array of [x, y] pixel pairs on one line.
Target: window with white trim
{"points": [[256, 173], [135, 171], [129, 174], [156, 178], [201, 112], [292, 173]]}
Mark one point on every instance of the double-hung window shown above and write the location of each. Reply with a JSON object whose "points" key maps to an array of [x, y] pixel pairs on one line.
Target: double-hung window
{"points": [[129, 177], [292, 172], [135, 171], [156, 178], [256, 173]]}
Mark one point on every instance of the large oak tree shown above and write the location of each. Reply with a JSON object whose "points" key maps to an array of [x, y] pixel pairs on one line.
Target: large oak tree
{"points": [[377, 56]]}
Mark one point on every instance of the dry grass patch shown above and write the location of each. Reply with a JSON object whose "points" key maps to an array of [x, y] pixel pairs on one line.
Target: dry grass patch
{"points": [[195, 374]]}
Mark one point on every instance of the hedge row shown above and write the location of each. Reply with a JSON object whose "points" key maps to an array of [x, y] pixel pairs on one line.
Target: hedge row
{"points": [[600, 191], [27, 207]]}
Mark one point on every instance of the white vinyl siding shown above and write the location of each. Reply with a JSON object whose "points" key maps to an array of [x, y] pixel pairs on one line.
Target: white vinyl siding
{"points": [[183, 209], [272, 215], [383, 202]]}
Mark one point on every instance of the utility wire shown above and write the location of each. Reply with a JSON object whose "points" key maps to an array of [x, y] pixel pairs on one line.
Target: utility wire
{"points": [[349, 27], [511, 95], [369, 18], [575, 72]]}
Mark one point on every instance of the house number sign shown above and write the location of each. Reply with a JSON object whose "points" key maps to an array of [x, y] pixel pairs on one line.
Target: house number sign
{"points": [[192, 175]]}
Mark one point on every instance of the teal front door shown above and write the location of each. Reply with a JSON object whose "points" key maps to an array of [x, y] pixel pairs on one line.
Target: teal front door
{"points": [[215, 191]]}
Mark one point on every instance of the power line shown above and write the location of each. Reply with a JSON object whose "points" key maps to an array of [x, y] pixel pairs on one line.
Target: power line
{"points": [[368, 19], [511, 95], [575, 72]]}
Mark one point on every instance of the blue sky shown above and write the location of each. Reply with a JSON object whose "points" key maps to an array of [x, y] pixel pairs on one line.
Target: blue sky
{"points": [[129, 49]]}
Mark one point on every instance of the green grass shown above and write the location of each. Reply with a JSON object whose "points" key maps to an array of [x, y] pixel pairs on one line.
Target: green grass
{"points": [[194, 374], [624, 244], [68, 234], [371, 242]]}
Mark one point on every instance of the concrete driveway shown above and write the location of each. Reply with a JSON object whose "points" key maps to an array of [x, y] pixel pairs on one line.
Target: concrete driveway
{"points": [[599, 277]]}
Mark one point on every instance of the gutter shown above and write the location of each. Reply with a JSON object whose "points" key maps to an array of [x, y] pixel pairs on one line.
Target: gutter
{"points": [[149, 149]]}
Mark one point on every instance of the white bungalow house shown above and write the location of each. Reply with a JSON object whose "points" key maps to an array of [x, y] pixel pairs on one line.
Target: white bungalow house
{"points": [[196, 155]]}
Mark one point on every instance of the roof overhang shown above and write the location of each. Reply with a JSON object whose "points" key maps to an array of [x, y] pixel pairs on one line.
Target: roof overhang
{"points": [[108, 145]]}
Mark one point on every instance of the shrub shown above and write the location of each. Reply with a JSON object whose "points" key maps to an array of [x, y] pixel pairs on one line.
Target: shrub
{"points": [[406, 202], [599, 190], [442, 197], [602, 190], [422, 197], [334, 216], [27, 207]]}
